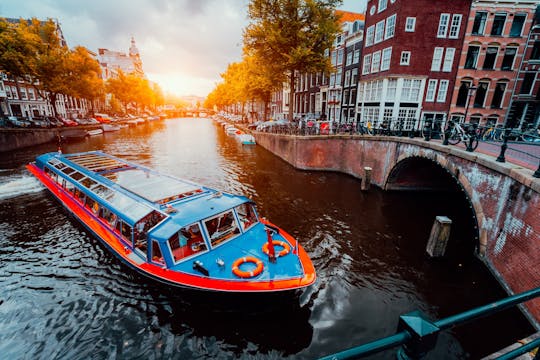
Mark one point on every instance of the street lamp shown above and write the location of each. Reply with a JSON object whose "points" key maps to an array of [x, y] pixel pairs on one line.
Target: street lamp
{"points": [[469, 96], [471, 91]]}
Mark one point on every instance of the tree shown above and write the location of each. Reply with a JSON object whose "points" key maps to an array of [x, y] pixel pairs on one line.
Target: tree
{"points": [[291, 36], [84, 71]]}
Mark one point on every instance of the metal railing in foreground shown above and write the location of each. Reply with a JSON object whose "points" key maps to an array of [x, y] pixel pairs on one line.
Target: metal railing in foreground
{"points": [[418, 335]]}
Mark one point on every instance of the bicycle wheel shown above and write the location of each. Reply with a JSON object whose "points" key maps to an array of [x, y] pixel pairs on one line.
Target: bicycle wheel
{"points": [[474, 142], [454, 137], [488, 135]]}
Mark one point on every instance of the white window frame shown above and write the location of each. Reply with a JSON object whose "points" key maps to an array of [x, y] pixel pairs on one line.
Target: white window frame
{"points": [[448, 59], [370, 35], [444, 22], [443, 91], [379, 32], [386, 58], [390, 29], [405, 58], [366, 64], [431, 89], [349, 58], [455, 26], [376, 62], [436, 62], [410, 24], [356, 56], [383, 4]]}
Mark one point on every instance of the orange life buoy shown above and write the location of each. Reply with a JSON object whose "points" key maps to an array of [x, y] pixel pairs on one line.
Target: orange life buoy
{"points": [[283, 244], [247, 274]]}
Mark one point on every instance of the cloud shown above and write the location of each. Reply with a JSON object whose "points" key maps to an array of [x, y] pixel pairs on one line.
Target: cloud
{"points": [[190, 39]]}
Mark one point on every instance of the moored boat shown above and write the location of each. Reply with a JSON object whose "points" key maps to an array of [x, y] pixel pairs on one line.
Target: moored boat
{"points": [[73, 134], [172, 230], [110, 127], [246, 139], [94, 132]]}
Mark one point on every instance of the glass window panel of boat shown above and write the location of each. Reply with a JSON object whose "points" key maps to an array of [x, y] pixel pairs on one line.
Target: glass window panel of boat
{"points": [[53, 162], [60, 166], [153, 187], [246, 215], [126, 231], [221, 228], [87, 182], [77, 176], [187, 242], [102, 191], [128, 206], [156, 255]]}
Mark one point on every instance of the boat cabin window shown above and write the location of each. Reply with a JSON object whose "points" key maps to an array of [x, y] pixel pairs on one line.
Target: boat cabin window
{"points": [[77, 176], [246, 215], [79, 195], [88, 183], [68, 186], [92, 205], [109, 217], [188, 241], [156, 255], [126, 231], [67, 170], [51, 174], [221, 228]]}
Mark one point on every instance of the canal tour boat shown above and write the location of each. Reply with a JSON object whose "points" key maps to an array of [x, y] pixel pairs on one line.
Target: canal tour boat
{"points": [[172, 230]]}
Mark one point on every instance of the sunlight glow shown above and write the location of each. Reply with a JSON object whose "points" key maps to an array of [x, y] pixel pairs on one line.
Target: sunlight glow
{"points": [[181, 84]]}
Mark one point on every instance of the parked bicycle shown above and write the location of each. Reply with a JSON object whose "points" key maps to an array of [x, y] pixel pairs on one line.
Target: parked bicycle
{"points": [[493, 133], [456, 134]]}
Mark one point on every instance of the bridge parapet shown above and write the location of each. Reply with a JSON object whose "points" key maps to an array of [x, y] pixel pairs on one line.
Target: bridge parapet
{"points": [[505, 197]]}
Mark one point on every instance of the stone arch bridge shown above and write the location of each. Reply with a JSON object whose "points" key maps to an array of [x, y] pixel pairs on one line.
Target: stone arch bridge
{"points": [[505, 198]]}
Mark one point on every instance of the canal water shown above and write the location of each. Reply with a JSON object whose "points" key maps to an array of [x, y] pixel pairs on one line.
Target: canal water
{"points": [[63, 296]]}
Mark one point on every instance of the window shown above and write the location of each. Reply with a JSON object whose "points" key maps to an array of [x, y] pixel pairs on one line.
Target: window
{"points": [[431, 88], [463, 93], [156, 255], [382, 5], [391, 89], [379, 32], [498, 95], [23, 93], [345, 97], [481, 92], [390, 27], [376, 61], [472, 57], [437, 59], [221, 228], [367, 64], [188, 241], [508, 59], [14, 92], [340, 56], [491, 57], [8, 91], [405, 58], [31, 94], [528, 81], [247, 216], [370, 33], [498, 24], [517, 24], [353, 97], [356, 56], [443, 25], [479, 25], [386, 57], [448, 59], [443, 90], [332, 59], [535, 54], [454, 27], [347, 78], [410, 90], [354, 77], [349, 59], [410, 24], [338, 77]]}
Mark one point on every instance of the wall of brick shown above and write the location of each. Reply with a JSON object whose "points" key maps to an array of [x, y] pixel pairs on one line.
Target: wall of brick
{"points": [[505, 197]]}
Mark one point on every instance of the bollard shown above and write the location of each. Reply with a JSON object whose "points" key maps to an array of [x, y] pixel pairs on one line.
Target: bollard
{"points": [[504, 146], [438, 239], [366, 180]]}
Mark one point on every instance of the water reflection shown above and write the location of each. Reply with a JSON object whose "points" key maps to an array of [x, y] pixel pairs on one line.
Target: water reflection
{"points": [[63, 295]]}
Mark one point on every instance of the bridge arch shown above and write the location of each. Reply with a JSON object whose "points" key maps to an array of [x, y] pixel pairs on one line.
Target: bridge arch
{"points": [[435, 173]]}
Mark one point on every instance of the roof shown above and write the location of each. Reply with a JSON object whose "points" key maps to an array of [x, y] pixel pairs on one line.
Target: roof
{"points": [[349, 16]]}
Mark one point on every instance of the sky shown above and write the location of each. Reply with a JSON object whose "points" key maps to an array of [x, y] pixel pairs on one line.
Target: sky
{"points": [[184, 44]]}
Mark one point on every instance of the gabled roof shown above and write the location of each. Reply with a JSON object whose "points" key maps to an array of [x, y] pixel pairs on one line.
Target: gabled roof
{"points": [[349, 16]]}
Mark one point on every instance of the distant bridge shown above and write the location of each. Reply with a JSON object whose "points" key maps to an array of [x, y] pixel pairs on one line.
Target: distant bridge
{"points": [[505, 197]]}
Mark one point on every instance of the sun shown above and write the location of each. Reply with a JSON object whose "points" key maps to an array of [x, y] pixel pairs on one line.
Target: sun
{"points": [[179, 84]]}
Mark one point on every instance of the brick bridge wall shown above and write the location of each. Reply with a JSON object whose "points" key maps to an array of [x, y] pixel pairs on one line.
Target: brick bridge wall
{"points": [[505, 197]]}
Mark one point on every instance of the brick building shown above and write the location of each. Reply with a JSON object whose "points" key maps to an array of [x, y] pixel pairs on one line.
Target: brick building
{"points": [[494, 45], [409, 60], [524, 109]]}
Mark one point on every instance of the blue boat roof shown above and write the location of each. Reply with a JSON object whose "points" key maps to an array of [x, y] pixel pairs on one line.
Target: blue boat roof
{"points": [[134, 191]]}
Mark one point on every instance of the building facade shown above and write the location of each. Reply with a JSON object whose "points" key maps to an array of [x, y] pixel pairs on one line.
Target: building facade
{"points": [[113, 61], [409, 61], [524, 109], [353, 49], [494, 46]]}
